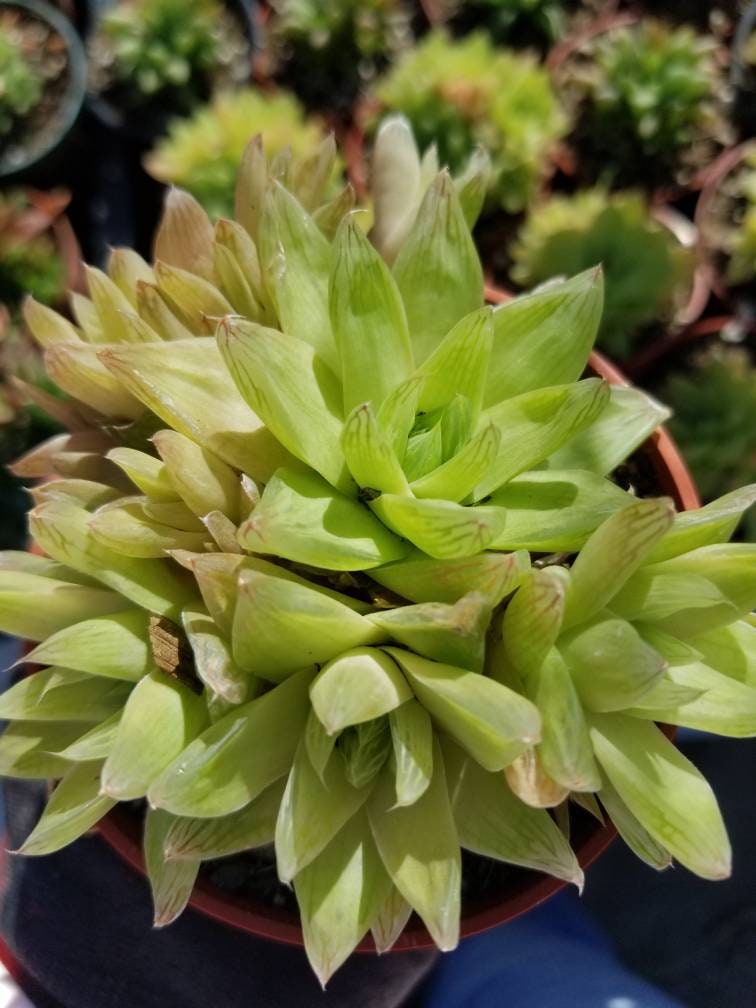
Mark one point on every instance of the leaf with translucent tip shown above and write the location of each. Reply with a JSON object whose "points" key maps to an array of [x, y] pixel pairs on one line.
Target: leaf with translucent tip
{"points": [[62, 530], [145, 471], [472, 184], [493, 723], [280, 626], [203, 480], [555, 510], [693, 593], [395, 185], [212, 658], [161, 717], [154, 311], [437, 271], [85, 314], [75, 806], [369, 454], [185, 235], [544, 338], [724, 706], [368, 320], [390, 921], [533, 619], [565, 748], [33, 606], [32, 563], [47, 326], [529, 781], [424, 451], [296, 263], [171, 882], [459, 364], [86, 493], [612, 555], [94, 744], [251, 181], [339, 894], [188, 386], [328, 216], [442, 529], [319, 743], [424, 863], [704, 526], [312, 811], [313, 173], [295, 394], [29, 749], [611, 665], [493, 822], [396, 414], [206, 839], [364, 748], [536, 424], [412, 741], [126, 269], [665, 694], [303, 518], [56, 694], [174, 513], [128, 531], [215, 776], [731, 650], [454, 634], [422, 579], [77, 369], [234, 284], [628, 419], [359, 685], [223, 531], [664, 791], [110, 305], [237, 242], [638, 839], [191, 298], [115, 646], [457, 478]]}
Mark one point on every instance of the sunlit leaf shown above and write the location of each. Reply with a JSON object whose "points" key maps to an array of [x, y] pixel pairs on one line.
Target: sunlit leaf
{"points": [[171, 882], [34, 607], [30, 749], [412, 740], [75, 806], [369, 453], [115, 646], [359, 685], [704, 526], [638, 839], [422, 579], [390, 921], [442, 529], [203, 480], [61, 695]]}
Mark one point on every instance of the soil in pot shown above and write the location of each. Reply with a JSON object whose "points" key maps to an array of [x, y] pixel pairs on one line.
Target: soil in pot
{"points": [[54, 59]]}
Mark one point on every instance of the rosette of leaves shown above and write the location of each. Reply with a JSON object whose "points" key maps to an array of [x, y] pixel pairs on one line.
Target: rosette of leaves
{"points": [[650, 101], [143, 50], [647, 271], [20, 86], [714, 420], [202, 153], [295, 509], [461, 93], [327, 51]]}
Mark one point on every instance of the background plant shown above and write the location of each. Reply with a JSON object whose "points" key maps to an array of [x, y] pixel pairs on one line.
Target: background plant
{"points": [[518, 23], [20, 87], [459, 94], [648, 273]]}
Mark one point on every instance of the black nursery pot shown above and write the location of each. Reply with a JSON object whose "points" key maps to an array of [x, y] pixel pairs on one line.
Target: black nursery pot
{"points": [[37, 148]]}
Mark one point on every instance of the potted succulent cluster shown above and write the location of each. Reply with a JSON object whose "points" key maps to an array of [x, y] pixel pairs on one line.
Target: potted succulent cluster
{"points": [[338, 566]]}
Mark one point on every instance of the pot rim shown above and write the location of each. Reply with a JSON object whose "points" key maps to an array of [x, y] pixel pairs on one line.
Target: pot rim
{"points": [[121, 829]]}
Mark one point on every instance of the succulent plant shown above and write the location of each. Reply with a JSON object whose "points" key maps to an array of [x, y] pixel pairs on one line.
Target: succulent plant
{"points": [[20, 86], [202, 154], [650, 101], [328, 50], [740, 239], [287, 592], [459, 94], [714, 420], [647, 271], [145, 49]]}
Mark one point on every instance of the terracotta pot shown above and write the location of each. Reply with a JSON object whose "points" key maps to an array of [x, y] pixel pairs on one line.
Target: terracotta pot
{"points": [[122, 829]]}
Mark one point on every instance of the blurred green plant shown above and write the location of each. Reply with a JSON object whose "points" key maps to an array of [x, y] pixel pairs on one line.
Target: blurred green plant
{"points": [[20, 86], [146, 48], [459, 94], [515, 22], [647, 271], [714, 421], [202, 154], [741, 240]]}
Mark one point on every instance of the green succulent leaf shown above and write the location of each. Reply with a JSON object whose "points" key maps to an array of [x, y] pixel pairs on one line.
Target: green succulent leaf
{"points": [[185, 235], [147, 472], [193, 300], [533, 619], [30, 749], [359, 685], [126, 530], [303, 518], [664, 791], [704, 526], [395, 185], [214, 776], [637, 838], [412, 740], [493, 723], [459, 364], [75, 806], [57, 604], [56, 694], [442, 529], [115, 646], [424, 864], [203, 480], [319, 743], [544, 338], [79, 371], [456, 479], [95, 744], [390, 921], [171, 882], [397, 413], [368, 320], [731, 650], [369, 454], [472, 185], [423, 579], [212, 658], [160, 719]]}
